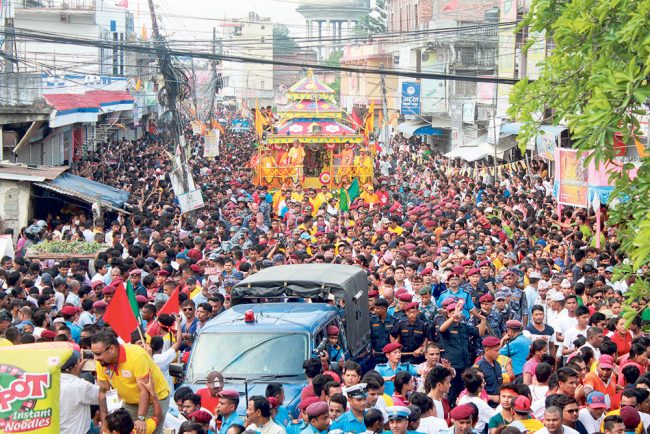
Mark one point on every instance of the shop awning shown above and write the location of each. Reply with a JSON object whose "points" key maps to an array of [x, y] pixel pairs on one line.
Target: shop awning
{"points": [[70, 108], [480, 148], [506, 142], [510, 128], [467, 153], [418, 128], [87, 190]]}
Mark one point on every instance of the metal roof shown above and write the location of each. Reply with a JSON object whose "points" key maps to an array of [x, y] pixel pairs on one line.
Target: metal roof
{"points": [[17, 172], [273, 317]]}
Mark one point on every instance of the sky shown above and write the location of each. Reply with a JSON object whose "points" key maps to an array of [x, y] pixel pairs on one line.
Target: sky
{"points": [[194, 19]]}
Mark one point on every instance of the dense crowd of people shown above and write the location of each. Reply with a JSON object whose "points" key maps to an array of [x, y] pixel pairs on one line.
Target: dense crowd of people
{"points": [[490, 313]]}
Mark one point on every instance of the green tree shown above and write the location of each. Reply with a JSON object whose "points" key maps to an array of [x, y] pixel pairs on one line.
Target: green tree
{"points": [[283, 44], [376, 21], [596, 81], [334, 59]]}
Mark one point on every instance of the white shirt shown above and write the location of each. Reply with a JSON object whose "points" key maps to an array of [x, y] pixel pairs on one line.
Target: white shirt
{"points": [[163, 360], [440, 410], [73, 299], [77, 396], [484, 410], [571, 334], [591, 424], [431, 425], [59, 299], [565, 430], [269, 428], [538, 403]]}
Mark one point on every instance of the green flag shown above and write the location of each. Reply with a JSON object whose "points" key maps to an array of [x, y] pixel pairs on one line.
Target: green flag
{"points": [[132, 301], [344, 202], [353, 191]]}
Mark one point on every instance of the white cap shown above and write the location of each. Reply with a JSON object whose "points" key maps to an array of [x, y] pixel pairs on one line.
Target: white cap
{"points": [[557, 296], [535, 275], [565, 284], [543, 284]]}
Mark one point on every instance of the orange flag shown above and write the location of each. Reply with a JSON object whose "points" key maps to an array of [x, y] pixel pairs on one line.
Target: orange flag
{"points": [[119, 315]]}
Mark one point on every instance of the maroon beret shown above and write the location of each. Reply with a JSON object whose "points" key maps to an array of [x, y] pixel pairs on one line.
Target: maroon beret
{"points": [[389, 348], [514, 324], [461, 412], [69, 310], [473, 271], [491, 341], [413, 305], [373, 293], [405, 297], [229, 394], [141, 299], [486, 298], [200, 416], [109, 290], [307, 402], [317, 409]]}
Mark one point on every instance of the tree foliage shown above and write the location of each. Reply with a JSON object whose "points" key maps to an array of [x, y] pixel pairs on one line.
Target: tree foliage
{"points": [[283, 44], [596, 81], [377, 20]]}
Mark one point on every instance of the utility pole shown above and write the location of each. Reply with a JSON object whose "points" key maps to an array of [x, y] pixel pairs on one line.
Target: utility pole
{"points": [[213, 88], [8, 54], [170, 94], [384, 106], [194, 84]]}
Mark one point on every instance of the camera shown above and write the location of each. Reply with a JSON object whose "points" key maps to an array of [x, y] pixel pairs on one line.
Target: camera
{"points": [[320, 350]]}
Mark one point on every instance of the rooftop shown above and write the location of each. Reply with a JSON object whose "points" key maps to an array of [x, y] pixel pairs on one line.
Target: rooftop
{"points": [[20, 172]]}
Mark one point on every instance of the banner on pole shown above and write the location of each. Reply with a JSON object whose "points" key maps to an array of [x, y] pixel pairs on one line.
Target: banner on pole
{"points": [[211, 143], [572, 176]]}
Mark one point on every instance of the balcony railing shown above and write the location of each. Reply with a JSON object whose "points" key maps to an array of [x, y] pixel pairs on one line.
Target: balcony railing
{"points": [[58, 5]]}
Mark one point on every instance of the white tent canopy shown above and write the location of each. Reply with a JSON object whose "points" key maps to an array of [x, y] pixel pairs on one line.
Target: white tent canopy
{"points": [[480, 148]]}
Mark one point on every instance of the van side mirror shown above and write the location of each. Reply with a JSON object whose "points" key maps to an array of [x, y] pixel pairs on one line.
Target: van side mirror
{"points": [[176, 370]]}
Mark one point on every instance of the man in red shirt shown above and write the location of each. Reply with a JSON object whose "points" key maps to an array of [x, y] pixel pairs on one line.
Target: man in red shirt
{"points": [[209, 394]]}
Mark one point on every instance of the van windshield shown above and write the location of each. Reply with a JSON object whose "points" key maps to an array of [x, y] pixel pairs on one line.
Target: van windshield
{"points": [[250, 356]]}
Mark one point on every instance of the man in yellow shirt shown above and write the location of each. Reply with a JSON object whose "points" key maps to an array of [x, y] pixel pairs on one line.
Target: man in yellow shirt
{"points": [[119, 369], [296, 159]]}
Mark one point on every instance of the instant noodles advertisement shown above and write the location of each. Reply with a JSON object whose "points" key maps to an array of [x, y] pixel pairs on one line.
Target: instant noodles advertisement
{"points": [[29, 387]]}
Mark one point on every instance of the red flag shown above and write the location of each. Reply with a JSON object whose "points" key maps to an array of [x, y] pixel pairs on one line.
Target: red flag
{"points": [[120, 316], [356, 119], [172, 305]]}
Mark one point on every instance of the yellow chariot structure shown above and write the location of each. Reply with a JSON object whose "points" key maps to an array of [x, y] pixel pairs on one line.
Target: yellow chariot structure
{"points": [[313, 142]]}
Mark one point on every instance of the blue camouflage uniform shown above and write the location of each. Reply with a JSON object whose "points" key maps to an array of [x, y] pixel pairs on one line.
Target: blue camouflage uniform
{"points": [[518, 304], [428, 312]]}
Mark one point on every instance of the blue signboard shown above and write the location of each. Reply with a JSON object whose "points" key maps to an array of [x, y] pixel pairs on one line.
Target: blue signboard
{"points": [[240, 125], [410, 98]]}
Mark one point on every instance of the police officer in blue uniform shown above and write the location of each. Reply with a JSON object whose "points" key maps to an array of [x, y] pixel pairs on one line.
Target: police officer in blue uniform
{"points": [[318, 417], [352, 421], [298, 425], [227, 409], [334, 350], [381, 323], [453, 291], [393, 352], [398, 419]]}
